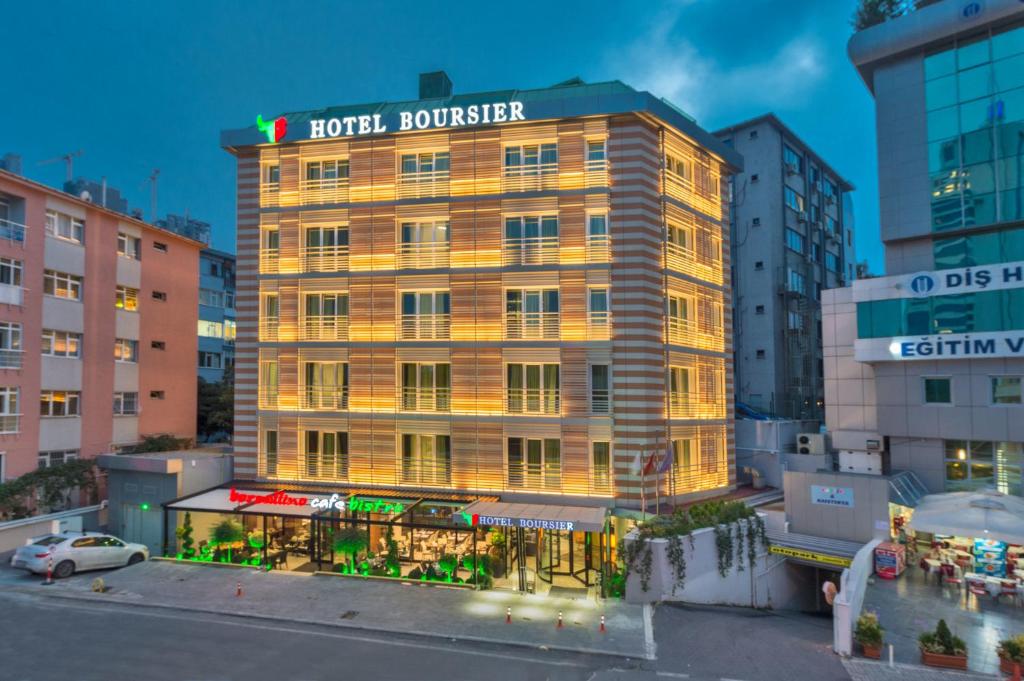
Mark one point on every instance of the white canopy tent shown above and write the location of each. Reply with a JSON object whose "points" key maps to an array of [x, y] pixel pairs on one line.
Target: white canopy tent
{"points": [[985, 514]]}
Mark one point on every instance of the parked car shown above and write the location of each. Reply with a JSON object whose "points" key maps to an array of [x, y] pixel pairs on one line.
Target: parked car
{"points": [[77, 551]]}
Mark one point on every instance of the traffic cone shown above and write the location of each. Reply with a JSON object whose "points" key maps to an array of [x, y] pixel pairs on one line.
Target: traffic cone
{"points": [[238, 589], [508, 615], [559, 620], [602, 624], [49, 571]]}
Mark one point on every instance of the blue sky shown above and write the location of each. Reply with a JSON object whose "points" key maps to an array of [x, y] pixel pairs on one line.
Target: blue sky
{"points": [[149, 85]]}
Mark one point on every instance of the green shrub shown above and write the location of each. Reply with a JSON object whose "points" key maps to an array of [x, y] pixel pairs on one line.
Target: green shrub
{"points": [[869, 631], [942, 641], [1012, 648]]}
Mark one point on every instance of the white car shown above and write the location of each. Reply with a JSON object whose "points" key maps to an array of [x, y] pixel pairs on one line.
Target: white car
{"points": [[73, 552]]}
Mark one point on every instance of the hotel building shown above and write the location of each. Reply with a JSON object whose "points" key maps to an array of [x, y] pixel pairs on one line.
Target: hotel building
{"points": [[96, 317], [496, 301]]}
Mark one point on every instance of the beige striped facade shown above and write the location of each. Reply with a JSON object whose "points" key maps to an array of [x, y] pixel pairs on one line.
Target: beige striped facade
{"points": [[277, 338]]}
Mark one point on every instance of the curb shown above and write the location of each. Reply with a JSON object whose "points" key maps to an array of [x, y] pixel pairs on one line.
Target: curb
{"points": [[648, 655]]}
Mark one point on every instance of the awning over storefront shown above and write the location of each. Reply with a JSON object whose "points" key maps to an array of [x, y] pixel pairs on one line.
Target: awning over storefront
{"points": [[987, 514], [535, 516], [834, 554]]}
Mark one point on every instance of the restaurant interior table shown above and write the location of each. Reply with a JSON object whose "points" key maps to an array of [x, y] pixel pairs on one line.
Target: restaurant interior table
{"points": [[993, 585]]}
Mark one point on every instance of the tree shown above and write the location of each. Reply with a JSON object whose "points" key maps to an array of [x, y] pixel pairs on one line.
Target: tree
{"points": [[872, 12], [163, 442], [47, 489], [216, 409], [448, 564], [184, 533], [349, 542], [226, 534]]}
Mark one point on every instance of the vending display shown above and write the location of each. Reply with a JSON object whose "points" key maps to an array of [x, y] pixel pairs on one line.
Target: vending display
{"points": [[990, 557], [890, 560]]}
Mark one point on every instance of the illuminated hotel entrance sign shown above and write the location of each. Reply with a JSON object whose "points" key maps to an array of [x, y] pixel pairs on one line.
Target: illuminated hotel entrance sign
{"points": [[421, 119]]}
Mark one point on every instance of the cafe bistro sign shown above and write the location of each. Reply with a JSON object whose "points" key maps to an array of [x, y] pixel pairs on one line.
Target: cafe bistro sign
{"points": [[333, 502]]}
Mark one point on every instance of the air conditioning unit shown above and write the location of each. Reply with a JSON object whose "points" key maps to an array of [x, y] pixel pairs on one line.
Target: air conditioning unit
{"points": [[810, 443]]}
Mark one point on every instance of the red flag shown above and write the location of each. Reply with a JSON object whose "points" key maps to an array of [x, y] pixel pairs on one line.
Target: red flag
{"points": [[649, 465]]}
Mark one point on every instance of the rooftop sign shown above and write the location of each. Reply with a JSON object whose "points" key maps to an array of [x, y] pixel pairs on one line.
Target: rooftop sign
{"points": [[940, 346], [420, 119]]}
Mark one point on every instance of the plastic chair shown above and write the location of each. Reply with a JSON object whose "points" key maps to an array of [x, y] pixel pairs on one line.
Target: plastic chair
{"points": [[977, 588], [949, 575]]}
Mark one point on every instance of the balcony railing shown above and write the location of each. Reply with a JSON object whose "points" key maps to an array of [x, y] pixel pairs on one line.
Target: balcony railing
{"points": [[425, 399], [324, 259], [323, 397], [534, 250], [682, 188], [425, 326], [533, 401], [270, 193], [323, 328], [12, 231], [269, 328], [423, 256], [11, 295], [599, 326], [531, 325], [418, 185], [682, 331], [331, 190], [688, 261], [10, 423], [600, 401], [423, 473], [10, 359], [598, 248], [596, 173], [695, 406], [524, 178], [267, 396], [534, 476], [270, 259]]}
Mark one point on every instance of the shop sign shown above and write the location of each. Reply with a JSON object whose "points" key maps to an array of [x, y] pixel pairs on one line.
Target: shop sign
{"points": [[940, 346], [826, 559], [832, 496], [421, 119], [335, 502], [474, 519], [964, 280], [278, 498], [375, 505]]}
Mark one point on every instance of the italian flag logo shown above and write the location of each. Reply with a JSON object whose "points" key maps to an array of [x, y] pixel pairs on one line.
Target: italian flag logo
{"points": [[274, 130], [472, 519]]}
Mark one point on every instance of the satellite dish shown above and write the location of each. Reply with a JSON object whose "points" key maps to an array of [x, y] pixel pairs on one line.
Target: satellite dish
{"points": [[85, 195]]}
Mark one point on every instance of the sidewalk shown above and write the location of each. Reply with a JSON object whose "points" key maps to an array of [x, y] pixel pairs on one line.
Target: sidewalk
{"points": [[868, 670], [376, 605]]}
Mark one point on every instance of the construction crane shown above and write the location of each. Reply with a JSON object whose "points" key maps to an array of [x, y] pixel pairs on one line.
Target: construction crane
{"points": [[69, 161]]}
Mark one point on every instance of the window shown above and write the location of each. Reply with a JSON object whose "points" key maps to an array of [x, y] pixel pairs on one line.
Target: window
{"points": [[156, 394], [59, 403], [426, 162], [271, 239], [128, 246], [759, 309], [10, 272], [64, 226], [795, 240], [214, 269], [602, 462], [326, 453], [535, 463], [681, 387], [831, 262], [792, 159], [680, 309], [815, 213], [600, 388], [759, 354], [126, 350], [159, 295], [426, 459], [158, 345], [597, 227], [327, 173], [830, 225], [794, 200], [816, 252], [683, 456], [325, 385], [126, 404], [680, 237], [56, 457], [531, 313], [830, 189], [973, 464], [61, 343], [937, 390], [849, 237], [270, 451], [61, 285], [755, 177], [230, 330], [9, 403], [794, 321], [1006, 390], [424, 244], [596, 152], [126, 298], [271, 173], [532, 388], [211, 298], [752, 135], [599, 310], [796, 282], [270, 308], [229, 300], [426, 386], [159, 247], [759, 265], [531, 159], [209, 329], [10, 345], [210, 360], [678, 166], [756, 222], [531, 239]]}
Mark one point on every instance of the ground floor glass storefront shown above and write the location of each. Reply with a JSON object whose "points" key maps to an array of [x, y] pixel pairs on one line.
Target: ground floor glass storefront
{"points": [[441, 539]]}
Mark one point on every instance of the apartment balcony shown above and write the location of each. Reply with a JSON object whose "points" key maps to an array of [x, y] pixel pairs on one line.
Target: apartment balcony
{"points": [[601, 482], [267, 397], [526, 178], [323, 329], [598, 248], [531, 326], [324, 259], [10, 359], [599, 326], [423, 256], [12, 231], [683, 332], [320, 398], [688, 261], [682, 188], [695, 478], [269, 327], [270, 260], [420, 185], [533, 401], [695, 406], [534, 476], [596, 173], [536, 250], [10, 424], [427, 474], [600, 402], [325, 190], [270, 194], [436, 400], [425, 326]]}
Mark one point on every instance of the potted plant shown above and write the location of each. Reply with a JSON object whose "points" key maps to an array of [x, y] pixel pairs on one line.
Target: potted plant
{"points": [[940, 648], [184, 535], [496, 552], [1011, 652], [869, 635]]}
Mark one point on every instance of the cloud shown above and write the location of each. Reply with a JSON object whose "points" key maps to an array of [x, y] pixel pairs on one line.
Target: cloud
{"points": [[680, 71]]}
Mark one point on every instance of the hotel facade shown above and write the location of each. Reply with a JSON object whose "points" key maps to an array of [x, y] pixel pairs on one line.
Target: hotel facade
{"points": [[500, 300], [96, 317]]}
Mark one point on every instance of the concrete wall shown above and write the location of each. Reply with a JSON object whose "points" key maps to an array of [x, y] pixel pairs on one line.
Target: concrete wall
{"points": [[868, 519], [848, 603], [16, 533]]}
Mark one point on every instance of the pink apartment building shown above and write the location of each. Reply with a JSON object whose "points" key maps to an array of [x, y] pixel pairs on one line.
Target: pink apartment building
{"points": [[98, 319]]}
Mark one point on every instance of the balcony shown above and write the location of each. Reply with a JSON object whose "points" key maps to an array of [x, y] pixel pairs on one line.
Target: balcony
{"points": [[10, 359], [683, 332], [10, 424], [423, 256], [596, 173], [420, 185], [682, 188], [323, 329], [423, 473], [425, 326], [12, 231], [532, 177], [324, 259], [599, 326], [425, 399], [320, 397], [600, 401], [682, 259], [695, 406], [270, 194], [534, 250], [533, 401], [324, 190], [270, 259], [534, 476], [269, 328], [267, 397], [531, 326], [598, 248]]}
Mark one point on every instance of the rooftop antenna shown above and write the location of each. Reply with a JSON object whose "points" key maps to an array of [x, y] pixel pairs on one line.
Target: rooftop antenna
{"points": [[69, 162], [152, 194]]}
